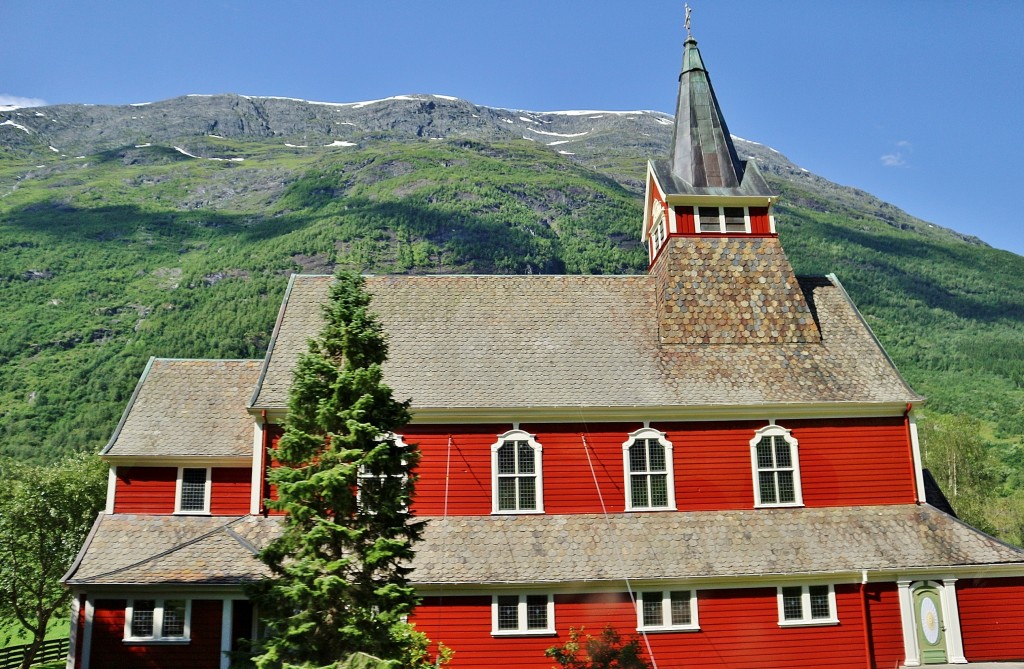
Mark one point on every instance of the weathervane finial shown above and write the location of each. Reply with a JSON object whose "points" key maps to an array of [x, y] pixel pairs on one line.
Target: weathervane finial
{"points": [[687, 23]]}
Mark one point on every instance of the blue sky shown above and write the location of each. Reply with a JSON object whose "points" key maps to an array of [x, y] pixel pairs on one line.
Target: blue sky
{"points": [[916, 101]]}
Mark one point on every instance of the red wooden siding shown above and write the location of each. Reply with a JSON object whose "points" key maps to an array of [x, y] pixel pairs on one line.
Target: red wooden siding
{"points": [[145, 490], [231, 489], [79, 637], [109, 649], [886, 624], [842, 462], [760, 223], [738, 628], [150, 490], [992, 618]]}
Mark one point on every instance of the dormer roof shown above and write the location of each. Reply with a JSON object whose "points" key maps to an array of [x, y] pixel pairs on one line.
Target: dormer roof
{"points": [[702, 159]]}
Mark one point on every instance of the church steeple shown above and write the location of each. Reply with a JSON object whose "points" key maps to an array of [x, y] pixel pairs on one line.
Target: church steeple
{"points": [[719, 271], [702, 153]]}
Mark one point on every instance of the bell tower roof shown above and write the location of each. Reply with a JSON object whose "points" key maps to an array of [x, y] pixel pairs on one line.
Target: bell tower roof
{"points": [[702, 158]]}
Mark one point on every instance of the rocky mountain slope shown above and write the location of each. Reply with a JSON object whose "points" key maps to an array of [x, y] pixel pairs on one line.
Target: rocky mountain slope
{"points": [[170, 228]]}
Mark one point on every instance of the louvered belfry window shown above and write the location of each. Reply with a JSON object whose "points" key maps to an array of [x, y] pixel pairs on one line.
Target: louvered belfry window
{"points": [[775, 471], [517, 477]]}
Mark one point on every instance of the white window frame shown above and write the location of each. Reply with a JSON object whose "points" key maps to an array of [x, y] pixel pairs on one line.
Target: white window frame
{"points": [[205, 511], [666, 611], [659, 228], [805, 620], [538, 473], [721, 220], [794, 454], [521, 618], [649, 433], [158, 621], [363, 475]]}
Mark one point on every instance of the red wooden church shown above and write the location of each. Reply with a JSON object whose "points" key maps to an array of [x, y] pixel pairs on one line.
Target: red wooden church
{"points": [[716, 454]]}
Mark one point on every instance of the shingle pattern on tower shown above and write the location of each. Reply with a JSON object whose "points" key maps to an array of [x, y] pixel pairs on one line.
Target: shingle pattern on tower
{"points": [[136, 549], [189, 408], [730, 290], [582, 341], [703, 544]]}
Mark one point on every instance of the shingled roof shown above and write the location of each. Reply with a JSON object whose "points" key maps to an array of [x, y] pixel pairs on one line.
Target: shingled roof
{"points": [[585, 341], [188, 408], [567, 548], [702, 544], [172, 550]]}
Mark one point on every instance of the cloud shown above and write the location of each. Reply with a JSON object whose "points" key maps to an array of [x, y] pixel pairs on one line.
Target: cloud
{"points": [[899, 157], [14, 101]]}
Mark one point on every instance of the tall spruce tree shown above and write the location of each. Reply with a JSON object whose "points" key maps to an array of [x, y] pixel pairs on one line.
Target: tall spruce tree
{"points": [[340, 584]]}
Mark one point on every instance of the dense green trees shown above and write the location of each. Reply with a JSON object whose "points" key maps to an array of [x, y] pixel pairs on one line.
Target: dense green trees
{"points": [[45, 515], [340, 569]]}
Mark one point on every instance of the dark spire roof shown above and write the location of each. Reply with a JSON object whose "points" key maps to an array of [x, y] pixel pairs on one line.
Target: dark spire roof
{"points": [[702, 159]]}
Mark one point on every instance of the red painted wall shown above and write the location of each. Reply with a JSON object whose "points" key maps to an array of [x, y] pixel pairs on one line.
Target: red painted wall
{"points": [[760, 224], [992, 618], [842, 462], [739, 628], [231, 489], [145, 490], [109, 649], [150, 490], [883, 606]]}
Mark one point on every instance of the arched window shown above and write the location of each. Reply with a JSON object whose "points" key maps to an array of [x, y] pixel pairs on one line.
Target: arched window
{"points": [[516, 474], [776, 464], [647, 459]]}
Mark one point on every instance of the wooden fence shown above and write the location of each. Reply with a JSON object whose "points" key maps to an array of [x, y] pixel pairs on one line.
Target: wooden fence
{"points": [[52, 649]]}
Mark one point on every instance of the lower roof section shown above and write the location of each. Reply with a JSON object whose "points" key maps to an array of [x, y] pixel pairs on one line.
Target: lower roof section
{"points": [[710, 544], [551, 549]]}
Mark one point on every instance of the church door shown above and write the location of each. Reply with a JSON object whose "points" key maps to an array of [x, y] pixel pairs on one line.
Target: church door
{"points": [[931, 629]]}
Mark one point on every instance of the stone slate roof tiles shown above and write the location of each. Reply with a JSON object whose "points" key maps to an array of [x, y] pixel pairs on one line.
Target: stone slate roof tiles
{"points": [[589, 341], [199, 550], [566, 548], [652, 546], [188, 408]]}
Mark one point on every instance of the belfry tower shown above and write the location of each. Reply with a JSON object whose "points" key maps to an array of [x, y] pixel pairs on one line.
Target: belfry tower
{"points": [[721, 273]]}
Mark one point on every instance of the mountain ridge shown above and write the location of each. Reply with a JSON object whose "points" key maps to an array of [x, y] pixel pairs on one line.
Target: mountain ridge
{"points": [[407, 116]]}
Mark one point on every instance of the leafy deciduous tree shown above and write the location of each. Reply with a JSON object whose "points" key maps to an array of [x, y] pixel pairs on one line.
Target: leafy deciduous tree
{"points": [[45, 516], [607, 651]]}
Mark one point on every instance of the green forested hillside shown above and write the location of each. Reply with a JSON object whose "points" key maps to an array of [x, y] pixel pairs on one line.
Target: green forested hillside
{"points": [[108, 258]]}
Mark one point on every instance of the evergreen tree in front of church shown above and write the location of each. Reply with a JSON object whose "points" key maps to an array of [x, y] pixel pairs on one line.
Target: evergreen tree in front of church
{"points": [[340, 575]]}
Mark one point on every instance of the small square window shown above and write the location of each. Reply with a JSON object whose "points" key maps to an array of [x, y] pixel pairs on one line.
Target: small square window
{"points": [[157, 620], [193, 490], [667, 610], [807, 605], [515, 615]]}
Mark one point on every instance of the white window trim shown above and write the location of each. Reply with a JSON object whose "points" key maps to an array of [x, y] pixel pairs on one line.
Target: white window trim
{"points": [[805, 604], [666, 612], [206, 495], [659, 229], [158, 622], [363, 475], [721, 220], [522, 629], [538, 450], [774, 430], [649, 433]]}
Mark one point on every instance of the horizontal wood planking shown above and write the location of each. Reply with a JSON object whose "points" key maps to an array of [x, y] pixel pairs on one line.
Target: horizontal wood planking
{"points": [[201, 652], [231, 491], [842, 462], [145, 490], [738, 628], [886, 623], [992, 618]]}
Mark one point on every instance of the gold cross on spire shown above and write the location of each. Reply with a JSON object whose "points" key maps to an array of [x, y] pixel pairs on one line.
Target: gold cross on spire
{"points": [[687, 23]]}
